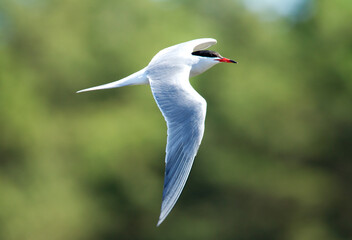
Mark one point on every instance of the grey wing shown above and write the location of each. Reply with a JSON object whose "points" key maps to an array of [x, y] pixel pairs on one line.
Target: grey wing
{"points": [[184, 111]]}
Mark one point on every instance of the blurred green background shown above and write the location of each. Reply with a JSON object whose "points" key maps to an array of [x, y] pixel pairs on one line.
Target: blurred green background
{"points": [[275, 162]]}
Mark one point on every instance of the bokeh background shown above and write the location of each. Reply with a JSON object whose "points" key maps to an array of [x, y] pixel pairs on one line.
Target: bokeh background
{"points": [[275, 162]]}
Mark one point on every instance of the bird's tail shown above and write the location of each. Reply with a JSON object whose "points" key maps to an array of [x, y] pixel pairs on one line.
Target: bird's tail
{"points": [[137, 78]]}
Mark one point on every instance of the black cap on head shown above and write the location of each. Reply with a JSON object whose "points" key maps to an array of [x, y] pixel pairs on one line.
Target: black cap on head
{"points": [[207, 53]]}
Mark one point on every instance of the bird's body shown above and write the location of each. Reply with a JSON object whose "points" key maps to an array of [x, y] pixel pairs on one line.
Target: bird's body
{"points": [[182, 107]]}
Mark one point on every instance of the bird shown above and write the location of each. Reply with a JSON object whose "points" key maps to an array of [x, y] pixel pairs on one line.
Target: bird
{"points": [[183, 108]]}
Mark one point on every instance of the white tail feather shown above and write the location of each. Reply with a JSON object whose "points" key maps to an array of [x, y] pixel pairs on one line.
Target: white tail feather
{"points": [[138, 78]]}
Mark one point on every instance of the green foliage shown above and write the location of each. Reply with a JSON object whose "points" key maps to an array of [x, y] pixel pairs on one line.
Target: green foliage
{"points": [[275, 162]]}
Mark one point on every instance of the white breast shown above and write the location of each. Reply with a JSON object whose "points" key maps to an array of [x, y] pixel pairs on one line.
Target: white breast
{"points": [[201, 64]]}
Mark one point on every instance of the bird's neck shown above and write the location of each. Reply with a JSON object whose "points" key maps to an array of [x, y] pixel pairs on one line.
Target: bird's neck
{"points": [[201, 66]]}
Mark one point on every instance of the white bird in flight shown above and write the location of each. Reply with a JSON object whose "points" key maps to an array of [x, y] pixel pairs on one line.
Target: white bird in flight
{"points": [[183, 108]]}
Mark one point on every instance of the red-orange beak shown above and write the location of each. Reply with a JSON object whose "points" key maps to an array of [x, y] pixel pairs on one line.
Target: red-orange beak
{"points": [[226, 60]]}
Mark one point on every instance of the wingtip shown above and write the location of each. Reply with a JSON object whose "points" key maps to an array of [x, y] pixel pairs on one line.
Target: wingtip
{"points": [[160, 221]]}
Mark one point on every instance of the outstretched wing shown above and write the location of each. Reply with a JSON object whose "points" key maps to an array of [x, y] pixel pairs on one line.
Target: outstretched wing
{"points": [[184, 111], [178, 51], [198, 44]]}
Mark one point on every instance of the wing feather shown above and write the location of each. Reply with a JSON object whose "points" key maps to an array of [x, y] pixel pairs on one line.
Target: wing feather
{"points": [[184, 111]]}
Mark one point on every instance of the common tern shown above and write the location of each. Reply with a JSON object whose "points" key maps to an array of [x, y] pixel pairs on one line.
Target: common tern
{"points": [[183, 108]]}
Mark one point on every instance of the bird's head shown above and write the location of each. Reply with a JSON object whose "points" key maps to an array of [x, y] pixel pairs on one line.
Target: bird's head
{"points": [[212, 55], [206, 59]]}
